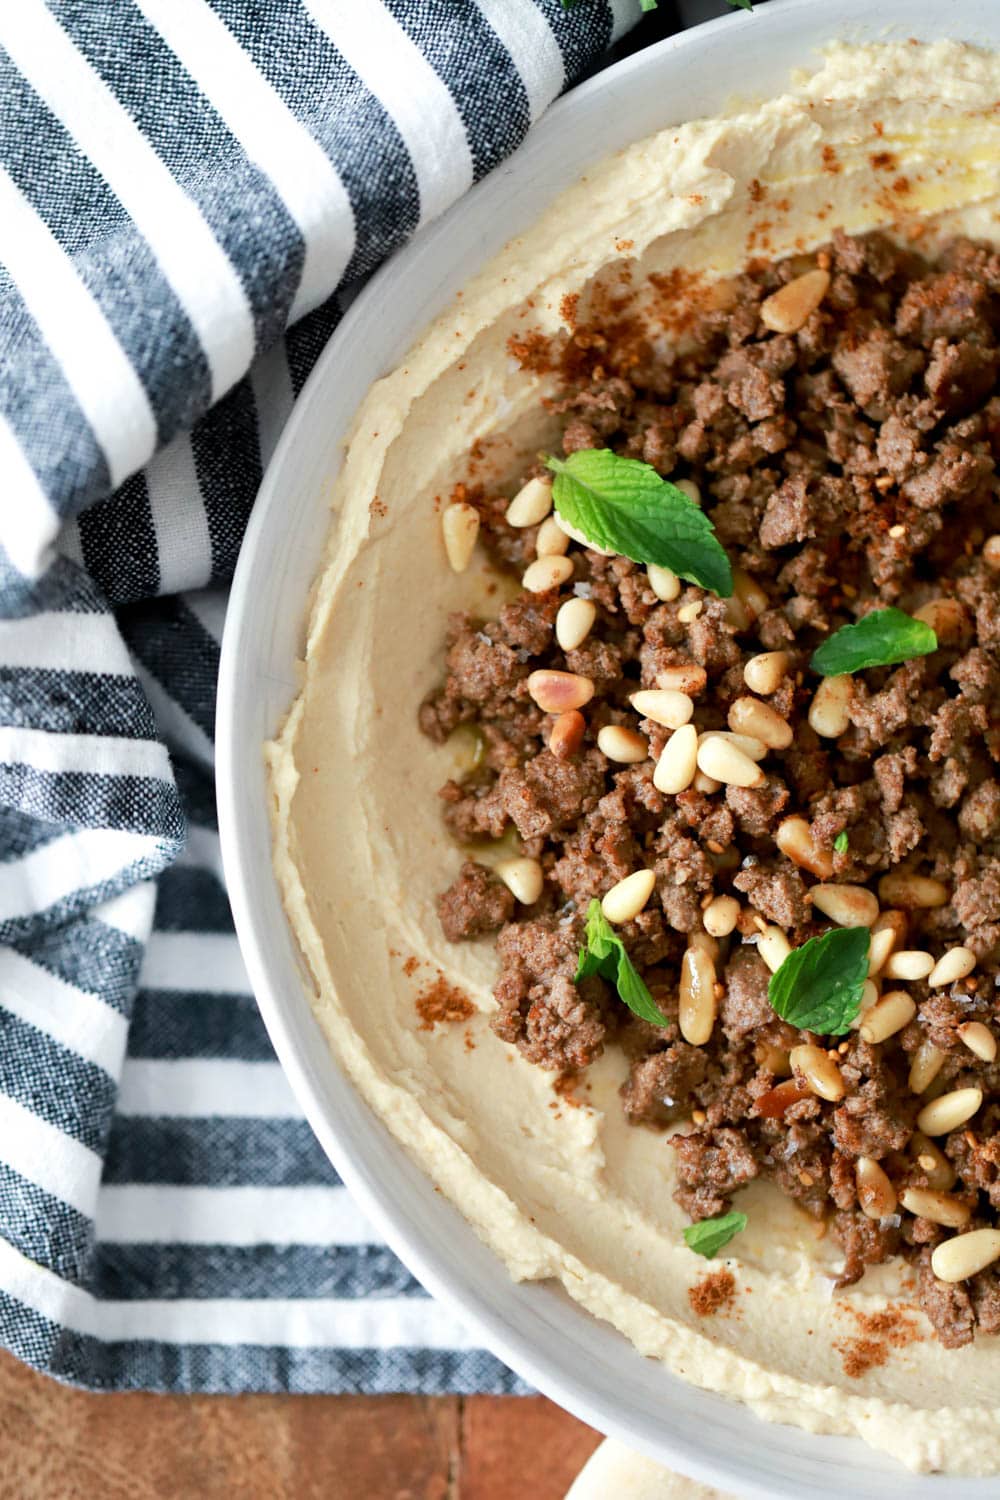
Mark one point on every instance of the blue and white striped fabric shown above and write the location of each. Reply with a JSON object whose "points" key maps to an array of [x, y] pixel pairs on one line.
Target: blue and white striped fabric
{"points": [[181, 181]]}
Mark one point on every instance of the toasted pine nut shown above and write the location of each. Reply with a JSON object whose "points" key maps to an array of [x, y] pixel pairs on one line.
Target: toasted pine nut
{"points": [[876, 1194], [932, 1162], [965, 1255], [979, 1039], [761, 721], [949, 1111], [881, 946], [567, 734], [750, 594], [622, 745], [773, 947], [531, 504], [925, 1065], [991, 552], [829, 711], [956, 964], [765, 673], [847, 905], [912, 892], [749, 743], [676, 767], [555, 692], [706, 942], [546, 573], [819, 1070], [939, 1208], [793, 837], [720, 915], [663, 706], [578, 536], [689, 488], [696, 997], [523, 877], [551, 541], [688, 613], [574, 622], [791, 306], [887, 1016], [688, 678], [459, 528], [869, 999], [627, 899], [909, 963], [727, 763], [705, 784], [946, 617], [774, 1059], [664, 583]]}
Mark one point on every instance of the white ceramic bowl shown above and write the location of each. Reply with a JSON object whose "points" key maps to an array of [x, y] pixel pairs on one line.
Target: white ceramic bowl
{"points": [[579, 1362]]}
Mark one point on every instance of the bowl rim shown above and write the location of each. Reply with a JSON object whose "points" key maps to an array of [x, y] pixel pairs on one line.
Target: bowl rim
{"points": [[239, 815]]}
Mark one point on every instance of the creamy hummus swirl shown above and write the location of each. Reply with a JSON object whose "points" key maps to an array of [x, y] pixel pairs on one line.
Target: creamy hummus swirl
{"points": [[904, 135]]}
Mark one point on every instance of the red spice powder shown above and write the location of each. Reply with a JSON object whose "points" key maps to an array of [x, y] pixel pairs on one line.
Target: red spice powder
{"points": [[441, 1002], [878, 1334], [715, 1294]]}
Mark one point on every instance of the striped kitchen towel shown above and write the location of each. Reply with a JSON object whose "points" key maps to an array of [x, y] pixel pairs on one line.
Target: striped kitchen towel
{"points": [[180, 182]]}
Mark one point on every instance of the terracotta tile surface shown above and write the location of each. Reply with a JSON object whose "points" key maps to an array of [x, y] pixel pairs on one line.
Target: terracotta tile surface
{"points": [[60, 1444]]}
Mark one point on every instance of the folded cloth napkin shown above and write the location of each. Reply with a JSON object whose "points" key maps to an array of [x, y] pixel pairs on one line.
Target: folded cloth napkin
{"points": [[180, 182]]}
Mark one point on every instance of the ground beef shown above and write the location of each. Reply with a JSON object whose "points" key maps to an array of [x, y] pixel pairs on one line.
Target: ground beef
{"points": [[846, 467]]}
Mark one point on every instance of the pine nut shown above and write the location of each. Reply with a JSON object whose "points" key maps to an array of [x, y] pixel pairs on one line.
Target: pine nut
{"points": [[765, 673], [887, 1016], [946, 617], [750, 594], [688, 678], [869, 999], [689, 488], [531, 504], [523, 877], [938, 1208], [664, 583], [956, 964], [663, 706], [949, 1111], [773, 947], [876, 1194], [932, 1162], [912, 892], [728, 764], [761, 721], [705, 784], [793, 837], [925, 1065], [910, 964], [627, 899], [965, 1255], [829, 711], [675, 769], [696, 997], [720, 916], [567, 734], [991, 552], [468, 746], [555, 692], [578, 536], [706, 942], [547, 573], [574, 622], [688, 613], [459, 528], [979, 1039], [847, 905], [551, 541], [749, 744], [820, 1072], [888, 930], [622, 745], [792, 305]]}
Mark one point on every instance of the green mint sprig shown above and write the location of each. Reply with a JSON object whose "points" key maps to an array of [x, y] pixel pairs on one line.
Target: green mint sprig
{"points": [[818, 987], [879, 639], [624, 505], [605, 955], [712, 1235]]}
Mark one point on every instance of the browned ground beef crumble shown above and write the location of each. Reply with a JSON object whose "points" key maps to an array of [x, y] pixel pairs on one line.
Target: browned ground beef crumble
{"points": [[850, 465]]}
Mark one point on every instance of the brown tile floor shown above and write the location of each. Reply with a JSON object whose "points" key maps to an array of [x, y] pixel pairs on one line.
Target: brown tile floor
{"points": [[60, 1444]]}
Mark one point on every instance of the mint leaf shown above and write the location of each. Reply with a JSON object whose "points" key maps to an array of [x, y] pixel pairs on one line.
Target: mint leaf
{"points": [[624, 504], [649, 4], [605, 955], [818, 987], [841, 842], [743, 4], [879, 639], [709, 1237]]}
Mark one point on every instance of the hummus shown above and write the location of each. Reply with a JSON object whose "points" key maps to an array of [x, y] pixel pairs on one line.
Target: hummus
{"points": [[904, 135]]}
